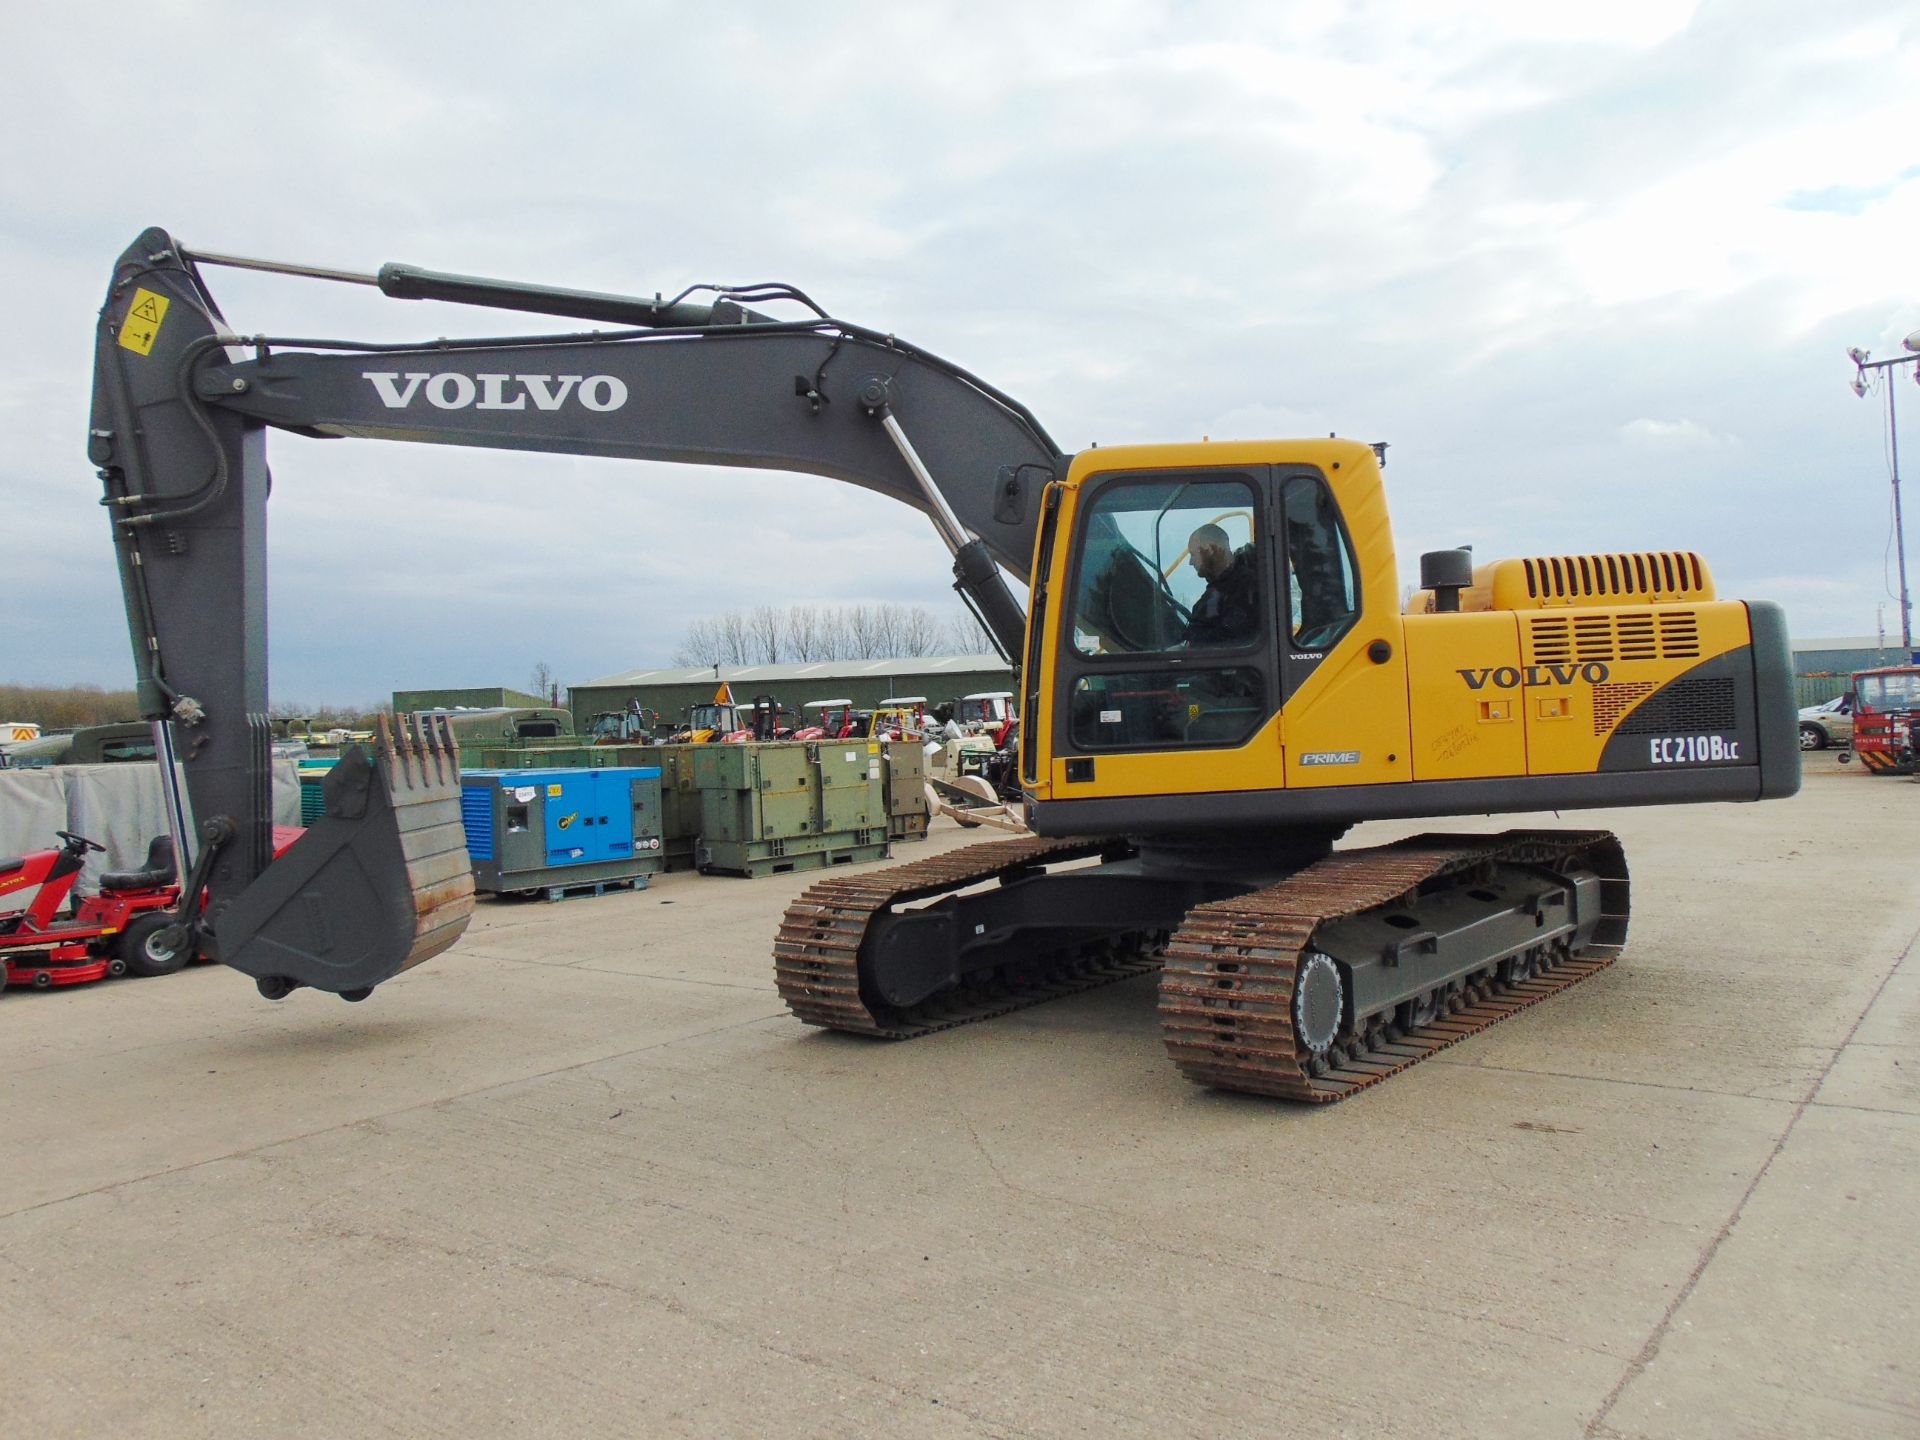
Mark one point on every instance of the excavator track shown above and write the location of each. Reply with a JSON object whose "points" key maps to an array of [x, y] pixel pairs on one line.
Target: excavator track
{"points": [[1228, 987], [817, 951]]}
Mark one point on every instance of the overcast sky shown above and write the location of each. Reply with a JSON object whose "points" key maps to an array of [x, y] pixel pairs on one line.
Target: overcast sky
{"points": [[1592, 270]]}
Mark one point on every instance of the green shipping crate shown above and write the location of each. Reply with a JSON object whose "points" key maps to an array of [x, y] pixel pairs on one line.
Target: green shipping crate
{"points": [[771, 808]]}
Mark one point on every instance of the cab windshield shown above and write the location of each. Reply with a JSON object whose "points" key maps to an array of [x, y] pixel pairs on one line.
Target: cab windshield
{"points": [[1899, 691]]}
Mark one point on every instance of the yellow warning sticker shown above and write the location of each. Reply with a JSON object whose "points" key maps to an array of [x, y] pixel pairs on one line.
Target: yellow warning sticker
{"points": [[142, 325], [555, 790]]}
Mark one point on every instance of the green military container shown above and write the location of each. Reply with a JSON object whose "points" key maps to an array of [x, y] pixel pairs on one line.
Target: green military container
{"points": [[767, 809], [564, 753], [907, 813], [679, 797]]}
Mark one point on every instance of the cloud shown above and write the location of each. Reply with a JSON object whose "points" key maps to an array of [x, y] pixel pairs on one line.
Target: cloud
{"points": [[1519, 242], [1674, 435]]}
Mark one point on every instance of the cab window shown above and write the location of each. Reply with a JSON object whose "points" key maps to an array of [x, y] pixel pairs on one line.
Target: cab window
{"points": [[1168, 641], [1158, 709], [136, 748], [1323, 596], [1169, 564]]}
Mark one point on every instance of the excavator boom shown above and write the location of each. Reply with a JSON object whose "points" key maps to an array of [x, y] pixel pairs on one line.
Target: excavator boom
{"points": [[181, 408]]}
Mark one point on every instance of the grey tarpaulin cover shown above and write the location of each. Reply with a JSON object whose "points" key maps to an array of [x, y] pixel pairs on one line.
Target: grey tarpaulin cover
{"points": [[118, 806]]}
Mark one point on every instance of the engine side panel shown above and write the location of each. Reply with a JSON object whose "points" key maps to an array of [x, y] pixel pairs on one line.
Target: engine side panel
{"points": [[1461, 732]]}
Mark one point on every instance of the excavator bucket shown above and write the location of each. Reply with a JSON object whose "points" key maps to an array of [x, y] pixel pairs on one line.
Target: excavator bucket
{"points": [[379, 883]]}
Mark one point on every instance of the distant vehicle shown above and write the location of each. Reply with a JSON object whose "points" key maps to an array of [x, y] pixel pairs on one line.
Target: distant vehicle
{"points": [[984, 710], [1886, 702], [899, 717], [708, 722], [827, 720], [631, 726], [504, 724], [92, 745], [1828, 724]]}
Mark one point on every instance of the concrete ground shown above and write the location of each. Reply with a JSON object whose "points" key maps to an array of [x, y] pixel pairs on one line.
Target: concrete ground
{"points": [[584, 1176]]}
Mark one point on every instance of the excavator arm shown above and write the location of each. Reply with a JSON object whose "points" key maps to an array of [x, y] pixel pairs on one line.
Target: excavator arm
{"points": [[181, 408]]}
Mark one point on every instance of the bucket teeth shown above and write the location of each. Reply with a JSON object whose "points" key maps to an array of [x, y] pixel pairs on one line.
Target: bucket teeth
{"points": [[423, 780], [422, 758]]}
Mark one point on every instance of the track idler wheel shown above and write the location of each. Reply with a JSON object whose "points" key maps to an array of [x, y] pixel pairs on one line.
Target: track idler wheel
{"points": [[1319, 1005]]}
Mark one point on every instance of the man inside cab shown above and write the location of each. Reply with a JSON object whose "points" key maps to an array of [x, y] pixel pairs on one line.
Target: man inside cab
{"points": [[1228, 613]]}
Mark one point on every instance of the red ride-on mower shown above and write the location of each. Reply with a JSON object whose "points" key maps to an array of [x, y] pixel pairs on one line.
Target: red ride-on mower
{"points": [[128, 928]]}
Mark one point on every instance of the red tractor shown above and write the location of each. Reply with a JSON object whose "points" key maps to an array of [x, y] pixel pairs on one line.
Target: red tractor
{"points": [[828, 720], [128, 928]]}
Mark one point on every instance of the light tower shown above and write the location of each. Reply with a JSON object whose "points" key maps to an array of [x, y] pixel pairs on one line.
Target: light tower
{"points": [[1862, 363]]}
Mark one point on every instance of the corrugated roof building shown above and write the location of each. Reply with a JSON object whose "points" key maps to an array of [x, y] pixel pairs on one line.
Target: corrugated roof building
{"points": [[1822, 668], [864, 682], [465, 697], [1844, 655]]}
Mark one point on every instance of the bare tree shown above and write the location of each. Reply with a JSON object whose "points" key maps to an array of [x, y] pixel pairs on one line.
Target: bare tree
{"points": [[834, 644], [700, 645], [63, 707], [769, 635], [861, 633], [886, 630], [963, 636], [804, 634], [918, 632], [736, 644], [766, 628], [544, 681]]}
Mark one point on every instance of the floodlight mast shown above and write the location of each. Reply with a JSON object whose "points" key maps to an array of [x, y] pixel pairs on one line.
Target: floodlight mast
{"points": [[1862, 362]]}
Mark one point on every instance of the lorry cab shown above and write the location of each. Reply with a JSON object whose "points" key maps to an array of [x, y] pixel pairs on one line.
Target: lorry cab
{"points": [[89, 745], [1886, 718]]}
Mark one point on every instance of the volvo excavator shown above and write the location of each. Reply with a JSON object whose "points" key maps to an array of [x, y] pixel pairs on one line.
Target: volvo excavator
{"points": [[1187, 765]]}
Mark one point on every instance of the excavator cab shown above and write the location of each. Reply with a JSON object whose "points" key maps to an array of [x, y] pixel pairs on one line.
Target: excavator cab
{"points": [[1218, 642], [1171, 642]]}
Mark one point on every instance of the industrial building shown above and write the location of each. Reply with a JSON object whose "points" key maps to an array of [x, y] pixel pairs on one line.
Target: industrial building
{"points": [[470, 697], [1822, 667], [864, 682]]}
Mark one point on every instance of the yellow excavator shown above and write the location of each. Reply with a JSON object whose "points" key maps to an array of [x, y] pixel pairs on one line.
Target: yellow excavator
{"points": [[709, 722], [1217, 679]]}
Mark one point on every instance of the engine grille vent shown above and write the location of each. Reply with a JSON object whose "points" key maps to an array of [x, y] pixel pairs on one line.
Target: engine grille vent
{"points": [[476, 816], [1631, 575], [1610, 702], [1577, 639], [1685, 707]]}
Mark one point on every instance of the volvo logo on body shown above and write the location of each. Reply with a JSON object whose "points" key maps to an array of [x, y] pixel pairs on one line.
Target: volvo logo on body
{"points": [[455, 390], [1512, 677]]}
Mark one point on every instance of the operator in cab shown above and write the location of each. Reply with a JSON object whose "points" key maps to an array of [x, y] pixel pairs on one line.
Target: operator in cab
{"points": [[1228, 612]]}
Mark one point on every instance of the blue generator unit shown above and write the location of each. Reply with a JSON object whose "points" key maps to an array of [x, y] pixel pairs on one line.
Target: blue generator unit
{"points": [[551, 832]]}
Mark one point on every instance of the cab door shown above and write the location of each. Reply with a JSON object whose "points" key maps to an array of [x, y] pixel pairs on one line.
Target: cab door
{"points": [[1342, 664], [1165, 687]]}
